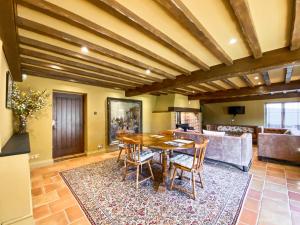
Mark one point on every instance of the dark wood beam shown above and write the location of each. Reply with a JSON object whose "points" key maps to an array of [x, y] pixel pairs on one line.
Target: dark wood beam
{"points": [[124, 14], [252, 98], [266, 78], [183, 15], [178, 91], [62, 51], [295, 34], [8, 36], [54, 74], [216, 86], [246, 79], [62, 61], [274, 59], [87, 25], [230, 83], [62, 36], [258, 90], [243, 14], [62, 68], [288, 74]]}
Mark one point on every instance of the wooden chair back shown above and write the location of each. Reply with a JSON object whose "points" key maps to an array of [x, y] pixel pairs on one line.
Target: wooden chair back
{"points": [[199, 154], [133, 149], [167, 132]]}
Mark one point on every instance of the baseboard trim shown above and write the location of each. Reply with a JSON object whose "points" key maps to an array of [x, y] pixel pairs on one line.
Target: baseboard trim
{"points": [[95, 151], [41, 163]]}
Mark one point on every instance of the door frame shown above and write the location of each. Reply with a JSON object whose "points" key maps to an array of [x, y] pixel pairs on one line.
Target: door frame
{"points": [[84, 97]]}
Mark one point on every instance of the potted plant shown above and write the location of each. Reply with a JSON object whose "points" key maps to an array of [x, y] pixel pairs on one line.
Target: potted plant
{"points": [[25, 103]]}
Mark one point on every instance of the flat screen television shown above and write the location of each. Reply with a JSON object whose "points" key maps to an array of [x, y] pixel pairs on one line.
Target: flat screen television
{"points": [[234, 110]]}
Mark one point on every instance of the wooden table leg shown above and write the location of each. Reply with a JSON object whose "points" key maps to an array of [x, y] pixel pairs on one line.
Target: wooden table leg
{"points": [[163, 185]]}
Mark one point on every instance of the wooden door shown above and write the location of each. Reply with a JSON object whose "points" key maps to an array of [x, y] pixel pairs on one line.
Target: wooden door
{"points": [[67, 124]]}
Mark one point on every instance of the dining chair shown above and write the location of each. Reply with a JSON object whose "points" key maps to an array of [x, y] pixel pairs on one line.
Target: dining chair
{"points": [[121, 145], [137, 157], [193, 164]]}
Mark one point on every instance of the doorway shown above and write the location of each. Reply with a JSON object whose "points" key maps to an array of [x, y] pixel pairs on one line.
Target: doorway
{"points": [[67, 124]]}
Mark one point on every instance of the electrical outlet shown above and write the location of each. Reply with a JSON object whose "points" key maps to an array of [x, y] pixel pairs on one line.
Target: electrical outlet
{"points": [[35, 156], [100, 146]]}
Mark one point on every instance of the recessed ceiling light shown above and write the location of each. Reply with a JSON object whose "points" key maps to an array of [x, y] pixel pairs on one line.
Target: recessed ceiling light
{"points": [[117, 88], [148, 71], [256, 78], [55, 67], [84, 50], [72, 80], [193, 92], [232, 41], [259, 83], [24, 76]]}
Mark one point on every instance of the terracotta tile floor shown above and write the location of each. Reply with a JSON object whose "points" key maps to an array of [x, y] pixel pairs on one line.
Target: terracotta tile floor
{"points": [[273, 196]]}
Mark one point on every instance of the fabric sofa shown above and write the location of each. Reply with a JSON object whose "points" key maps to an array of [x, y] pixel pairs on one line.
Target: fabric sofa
{"points": [[280, 145], [235, 130], [235, 150]]}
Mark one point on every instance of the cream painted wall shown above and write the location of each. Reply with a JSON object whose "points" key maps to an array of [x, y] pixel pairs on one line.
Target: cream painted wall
{"points": [[174, 100], [41, 129], [6, 115], [254, 115]]}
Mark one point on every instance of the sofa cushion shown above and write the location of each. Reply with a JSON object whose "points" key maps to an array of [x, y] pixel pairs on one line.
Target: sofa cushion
{"points": [[215, 133], [237, 129]]}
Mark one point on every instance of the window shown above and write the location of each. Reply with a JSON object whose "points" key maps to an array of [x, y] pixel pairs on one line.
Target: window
{"points": [[282, 115]]}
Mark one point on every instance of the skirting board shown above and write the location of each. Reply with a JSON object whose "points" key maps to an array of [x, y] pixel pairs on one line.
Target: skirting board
{"points": [[40, 163]]}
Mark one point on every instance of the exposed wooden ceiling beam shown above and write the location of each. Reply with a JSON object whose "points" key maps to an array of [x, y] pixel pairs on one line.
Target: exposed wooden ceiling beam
{"points": [[266, 78], [203, 88], [178, 91], [247, 80], [8, 35], [295, 34], [271, 60], [213, 84], [288, 74], [243, 14], [182, 14], [252, 98], [141, 25], [230, 83], [61, 68], [258, 90], [69, 77], [86, 58], [62, 36], [62, 61], [87, 25]]}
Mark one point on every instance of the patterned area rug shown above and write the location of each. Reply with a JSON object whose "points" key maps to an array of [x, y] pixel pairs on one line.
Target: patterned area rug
{"points": [[106, 199]]}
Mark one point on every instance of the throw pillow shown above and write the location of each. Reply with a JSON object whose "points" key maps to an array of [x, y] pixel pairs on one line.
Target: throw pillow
{"points": [[215, 133]]}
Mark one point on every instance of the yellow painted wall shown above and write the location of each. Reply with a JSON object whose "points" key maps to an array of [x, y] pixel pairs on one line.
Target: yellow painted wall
{"points": [[163, 120], [41, 129], [254, 115], [6, 116]]}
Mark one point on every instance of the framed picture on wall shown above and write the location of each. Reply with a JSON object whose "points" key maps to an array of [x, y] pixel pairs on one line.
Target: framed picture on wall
{"points": [[124, 115], [9, 89]]}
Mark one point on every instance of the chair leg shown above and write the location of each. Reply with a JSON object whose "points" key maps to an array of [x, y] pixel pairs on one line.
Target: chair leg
{"points": [[201, 180], [173, 178], [194, 186], [137, 176], [141, 171], [150, 170], [120, 152]]}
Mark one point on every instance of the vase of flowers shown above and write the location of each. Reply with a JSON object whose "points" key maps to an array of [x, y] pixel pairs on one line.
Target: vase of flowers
{"points": [[25, 103]]}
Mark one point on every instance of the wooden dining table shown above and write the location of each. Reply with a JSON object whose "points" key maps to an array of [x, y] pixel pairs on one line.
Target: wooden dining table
{"points": [[158, 142]]}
